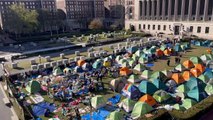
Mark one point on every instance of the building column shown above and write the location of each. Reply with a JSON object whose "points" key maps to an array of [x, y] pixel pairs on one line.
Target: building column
{"points": [[163, 9], [147, 9], [169, 10], [137, 10], [158, 9], [206, 7], [197, 10], [153, 9], [190, 9], [176, 10], [143, 9], [183, 10]]}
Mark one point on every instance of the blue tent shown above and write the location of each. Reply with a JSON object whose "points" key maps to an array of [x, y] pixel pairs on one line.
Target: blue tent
{"points": [[41, 108], [177, 48], [78, 69], [194, 82], [130, 91], [159, 84], [209, 74], [147, 87], [198, 43], [197, 94]]}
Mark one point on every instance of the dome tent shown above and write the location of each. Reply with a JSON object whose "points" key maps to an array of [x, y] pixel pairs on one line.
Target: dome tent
{"points": [[161, 96], [133, 79], [131, 91], [140, 109], [148, 99], [197, 94], [159, 84], [147, 87], [115, 116], [127, 104], [98, 101], [188, 103], [33, 87]]}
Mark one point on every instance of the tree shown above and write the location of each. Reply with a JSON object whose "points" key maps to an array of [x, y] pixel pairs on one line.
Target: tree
{"points": [[21, 20], [95, 24]]}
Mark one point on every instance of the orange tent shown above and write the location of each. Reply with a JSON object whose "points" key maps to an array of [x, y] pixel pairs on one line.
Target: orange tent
{"points": [[177, 78], [195, 72], [209, 51], [125, 71], [80, 62], [159, 52], [186, 75], [148, 99], [188, 64], [200, 67], [167, 52]]}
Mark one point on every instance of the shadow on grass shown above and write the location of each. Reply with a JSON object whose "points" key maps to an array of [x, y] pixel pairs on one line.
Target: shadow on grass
{"points": [[19, 68]]}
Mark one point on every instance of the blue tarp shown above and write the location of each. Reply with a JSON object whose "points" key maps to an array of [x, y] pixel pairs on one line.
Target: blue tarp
{"points": [[100, 115], [41, 108], [114, 100]]}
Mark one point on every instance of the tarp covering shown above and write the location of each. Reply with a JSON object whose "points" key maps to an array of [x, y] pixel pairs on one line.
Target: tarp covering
{"points": [[41, 108]]}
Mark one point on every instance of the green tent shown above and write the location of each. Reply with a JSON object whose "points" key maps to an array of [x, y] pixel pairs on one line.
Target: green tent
{"points": [[205, 58], [133, 78], [197, 94], [140, 67], [140, 109], [118, 58], [182, 88], [209, 89], [180, 94], [146, 74], [98, 101], [161, 96], [183, 47], [143, 60], [167, 73], [188, 103], [204, 78], [147, 87], [163, 47], [131, 63], [152, 50], [125, 64], [115, 116], [180, 67], [121, 61], [210, 56], [127, 104], [33, 87], [97, 64], [138, 53], [178, 107], [196, 60], [159, 75], [135, 57], [57, 71]]}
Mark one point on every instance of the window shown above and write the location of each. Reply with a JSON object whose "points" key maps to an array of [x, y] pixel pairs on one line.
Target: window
{"points": [[198, 29], [153, 27], [144, 26], [164, 27], [158, 27], [191, 29], [207, 30], [139, 26], [148, 27]]}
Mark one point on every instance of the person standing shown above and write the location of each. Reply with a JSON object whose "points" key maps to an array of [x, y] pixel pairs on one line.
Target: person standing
{"points": [[168, 62]]}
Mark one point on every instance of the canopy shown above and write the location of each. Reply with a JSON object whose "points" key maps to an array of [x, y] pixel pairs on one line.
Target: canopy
{"points": [[98, 101], [124, 71], [178, 78], [148, 99], [140, 67], [115, 116], [200, 67], [196, 94], [57, 71], [147, 87], [186, 75], [80, 62], [33, 87], [180, 67], [159, 84], [195, 72], [161, 96], [196, 60], [133, 79], [188, 103], [188, 64], [146, 74], [140, 109], [127, 104]]}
